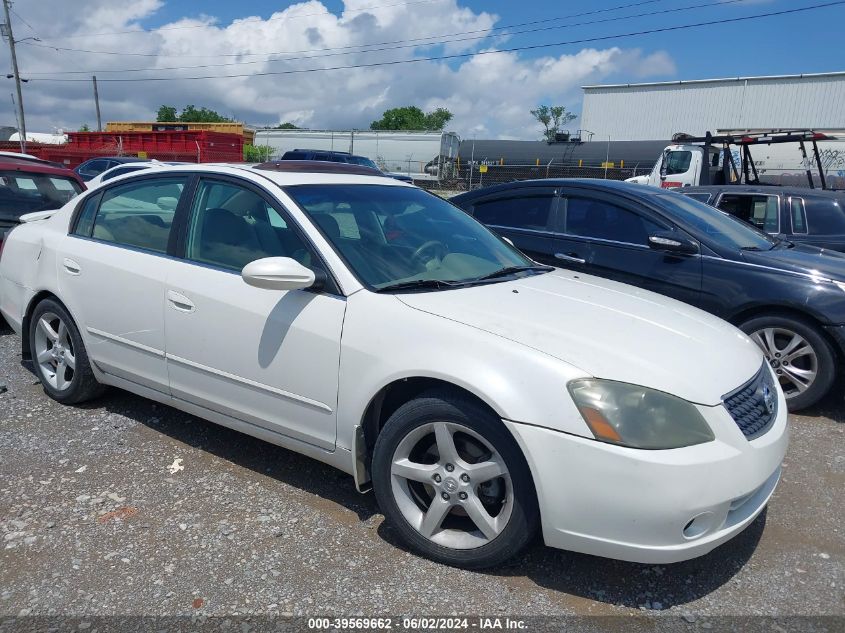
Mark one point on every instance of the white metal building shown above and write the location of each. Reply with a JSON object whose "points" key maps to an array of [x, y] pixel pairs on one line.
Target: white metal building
{"points": [[646, 111]]}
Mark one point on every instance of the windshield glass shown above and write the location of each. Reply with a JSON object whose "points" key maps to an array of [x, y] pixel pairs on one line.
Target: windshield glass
{"points": [[362, 160], [390, 234], [718, 226], [26, 192]]}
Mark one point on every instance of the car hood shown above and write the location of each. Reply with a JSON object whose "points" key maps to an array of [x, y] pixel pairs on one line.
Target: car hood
{"points": [[802, 258], [608, 330]]}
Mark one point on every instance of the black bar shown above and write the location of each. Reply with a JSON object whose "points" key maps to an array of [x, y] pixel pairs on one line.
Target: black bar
{"points": [[819, 164], [806, 162]]}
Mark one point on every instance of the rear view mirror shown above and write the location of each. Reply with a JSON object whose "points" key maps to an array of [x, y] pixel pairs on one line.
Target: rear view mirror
{"points": [[277, 273], [672, 242]]}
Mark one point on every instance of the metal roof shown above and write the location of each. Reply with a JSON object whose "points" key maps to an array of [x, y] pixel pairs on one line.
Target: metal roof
{"points": [[683, 82]]}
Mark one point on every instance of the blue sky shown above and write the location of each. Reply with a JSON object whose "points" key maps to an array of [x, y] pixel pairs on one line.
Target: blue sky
{"points": [[798, 43], [490, 95]]}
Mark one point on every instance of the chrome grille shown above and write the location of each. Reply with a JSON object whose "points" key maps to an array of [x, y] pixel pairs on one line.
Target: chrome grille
{"points": [[754, 405]]}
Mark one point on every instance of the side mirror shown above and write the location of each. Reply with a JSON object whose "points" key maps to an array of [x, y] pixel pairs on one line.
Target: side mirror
{"points": [[277, 273], [672, 242]]}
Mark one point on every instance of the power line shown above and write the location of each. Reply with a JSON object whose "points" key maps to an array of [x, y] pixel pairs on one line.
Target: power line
{"points": [[419, 39], [465, 55], [373, 50], [282, 18]]}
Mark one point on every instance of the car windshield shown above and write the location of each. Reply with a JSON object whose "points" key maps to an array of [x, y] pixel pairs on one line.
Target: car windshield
{"points": [[362, 160], [395, 235], [26, 192], [720, 227]]}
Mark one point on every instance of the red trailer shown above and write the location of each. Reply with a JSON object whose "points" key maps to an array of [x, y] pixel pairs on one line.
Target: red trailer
{"points": [[187, 146]]}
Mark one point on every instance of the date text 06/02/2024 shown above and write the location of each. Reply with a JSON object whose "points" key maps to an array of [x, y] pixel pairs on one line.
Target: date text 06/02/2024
{"points": [[417, 624]]}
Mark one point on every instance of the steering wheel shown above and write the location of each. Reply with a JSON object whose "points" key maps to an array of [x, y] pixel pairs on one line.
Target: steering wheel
{"points": [[436, 249]]}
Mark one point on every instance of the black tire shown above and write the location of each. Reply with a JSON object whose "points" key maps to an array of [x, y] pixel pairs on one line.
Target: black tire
{"points": [[82, 385], [444, 406], [825, 355]]}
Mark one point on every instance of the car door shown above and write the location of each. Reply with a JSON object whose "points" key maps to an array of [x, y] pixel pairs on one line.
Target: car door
{"points": [[608, 236], [111, 275], [524, 215], [264, 357]]}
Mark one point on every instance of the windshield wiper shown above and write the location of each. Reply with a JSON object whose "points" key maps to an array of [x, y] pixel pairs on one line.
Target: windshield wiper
{"points": [[510, 270], [418, 283]]}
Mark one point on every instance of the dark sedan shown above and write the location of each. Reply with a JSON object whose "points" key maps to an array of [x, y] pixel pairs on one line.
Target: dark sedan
{"points": [[806, 216], [790, 298]]}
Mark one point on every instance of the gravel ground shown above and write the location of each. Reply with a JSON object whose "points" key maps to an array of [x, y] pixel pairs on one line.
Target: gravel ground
{"points": [[123, 506]]}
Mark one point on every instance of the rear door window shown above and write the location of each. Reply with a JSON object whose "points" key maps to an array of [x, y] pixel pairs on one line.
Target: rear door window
{"points": [[523, 211], [824, 216], [139, 214], [760, 210]]}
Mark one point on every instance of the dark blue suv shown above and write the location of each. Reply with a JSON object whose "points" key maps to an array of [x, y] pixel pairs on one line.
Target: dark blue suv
{"points": [[790, 298]]}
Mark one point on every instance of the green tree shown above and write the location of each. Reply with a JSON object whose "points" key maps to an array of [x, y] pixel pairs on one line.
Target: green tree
{"points": [[287, 125], [412, 118], [84, 128], [166, 113], [552, 118], [191, 114]]}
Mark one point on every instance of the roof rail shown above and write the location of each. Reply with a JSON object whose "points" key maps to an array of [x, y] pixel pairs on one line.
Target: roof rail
{"points": [[318, 167]]}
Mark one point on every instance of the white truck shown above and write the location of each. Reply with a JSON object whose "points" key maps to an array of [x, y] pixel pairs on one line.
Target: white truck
{"points": [[421, 155], [791, 157]]}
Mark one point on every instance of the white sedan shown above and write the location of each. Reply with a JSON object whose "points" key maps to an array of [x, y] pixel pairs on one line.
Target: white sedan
{"points": [[377, 328]]}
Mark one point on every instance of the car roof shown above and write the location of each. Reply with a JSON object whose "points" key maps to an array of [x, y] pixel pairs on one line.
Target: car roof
{"points": [[321, 151], [588, 183], [770, 189], [38, 166], [287, 173]]}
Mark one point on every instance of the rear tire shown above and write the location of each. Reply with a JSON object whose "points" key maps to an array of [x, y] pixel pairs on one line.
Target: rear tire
{"points": [[801, 356], [59, 355], [451, 479]]}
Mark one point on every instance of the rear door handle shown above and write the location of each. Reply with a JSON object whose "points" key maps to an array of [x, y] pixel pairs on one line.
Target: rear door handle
{"points": [[570, 257], [71, 267], [180, 302]]}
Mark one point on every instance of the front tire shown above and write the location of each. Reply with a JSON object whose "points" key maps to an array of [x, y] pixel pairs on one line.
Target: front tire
{"points": [[801, 356], [451, 479], [59, 355]]}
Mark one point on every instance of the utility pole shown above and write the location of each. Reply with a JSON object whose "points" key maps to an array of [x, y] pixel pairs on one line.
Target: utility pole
{"points": [[11, 37], [97, 103]]}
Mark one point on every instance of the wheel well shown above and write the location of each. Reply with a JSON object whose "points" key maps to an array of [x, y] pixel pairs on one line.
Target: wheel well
{"points": [[393, 396], [759, 311], [38, 298]]}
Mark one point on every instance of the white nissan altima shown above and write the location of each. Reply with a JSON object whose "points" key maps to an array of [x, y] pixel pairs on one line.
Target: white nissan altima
{"points": [[375, 327]]}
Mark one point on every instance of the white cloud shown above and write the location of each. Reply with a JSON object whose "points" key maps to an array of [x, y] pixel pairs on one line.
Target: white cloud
{"points": [[490, 94]]}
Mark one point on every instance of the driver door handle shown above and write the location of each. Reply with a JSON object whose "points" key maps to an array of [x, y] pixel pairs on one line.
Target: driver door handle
{"points": [[570, 257]]}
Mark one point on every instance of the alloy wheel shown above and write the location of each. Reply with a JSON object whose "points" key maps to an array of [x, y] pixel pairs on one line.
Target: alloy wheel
{"points": [[451, 485], [54, 353], [791, 356]]}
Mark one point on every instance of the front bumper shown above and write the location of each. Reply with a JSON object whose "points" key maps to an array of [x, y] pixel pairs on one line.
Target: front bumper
{"points": [[654, 507]]}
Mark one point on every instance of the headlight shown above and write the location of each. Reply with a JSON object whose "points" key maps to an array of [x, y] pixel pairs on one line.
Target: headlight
{"points": [[638, 417]]}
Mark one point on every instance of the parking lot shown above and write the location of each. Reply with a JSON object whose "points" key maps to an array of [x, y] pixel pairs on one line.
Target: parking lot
{"points": [[128, 507]]}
